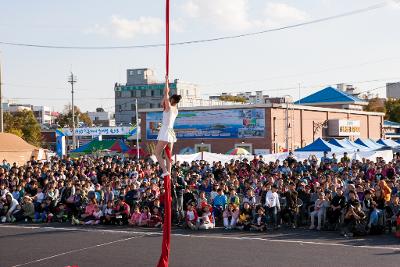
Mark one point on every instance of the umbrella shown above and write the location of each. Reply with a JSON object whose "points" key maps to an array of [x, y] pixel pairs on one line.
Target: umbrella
{"points": [[238, 151], [133, 152]]}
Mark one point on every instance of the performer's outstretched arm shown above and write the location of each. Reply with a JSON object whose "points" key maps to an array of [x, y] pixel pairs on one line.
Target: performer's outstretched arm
{"points": [[165, 101]]}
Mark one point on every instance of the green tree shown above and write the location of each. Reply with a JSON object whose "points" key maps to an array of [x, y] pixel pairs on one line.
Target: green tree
{"points": [[376, 105], [392, 107], [24, 124], [65, 118], [233, 98]]}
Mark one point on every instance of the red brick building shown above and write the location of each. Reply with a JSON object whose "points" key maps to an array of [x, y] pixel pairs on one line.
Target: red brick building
{"points": [[273, 128]]}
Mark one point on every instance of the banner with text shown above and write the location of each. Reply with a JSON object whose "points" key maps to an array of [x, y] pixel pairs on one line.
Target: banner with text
{"points": [[233, 123]]}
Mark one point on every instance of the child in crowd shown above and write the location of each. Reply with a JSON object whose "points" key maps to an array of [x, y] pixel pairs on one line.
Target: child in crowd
{"points": [[145, 216], [260, 221], [155, 219], [97, 214], [206, 220], [191, 217], [136, 216], [230, 215]]}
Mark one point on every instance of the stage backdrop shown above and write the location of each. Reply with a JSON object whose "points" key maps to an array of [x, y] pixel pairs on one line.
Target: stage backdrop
{"points": [[234, 123]]}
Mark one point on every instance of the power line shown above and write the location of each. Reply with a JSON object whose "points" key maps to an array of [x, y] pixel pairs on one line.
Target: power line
{"points": [[342, 15]]}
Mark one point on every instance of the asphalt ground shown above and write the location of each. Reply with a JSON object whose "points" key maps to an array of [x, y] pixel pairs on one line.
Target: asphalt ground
{"points": [[65, 245]]}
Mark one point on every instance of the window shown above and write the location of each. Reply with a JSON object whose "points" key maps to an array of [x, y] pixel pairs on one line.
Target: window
{"points": [[161, 92], [151, 105], [202, 148], [143, 93], [131, 72], [132, 93], [118, 94], [139, 71], [152, 92], [247, 146], [159, 105], [133, 107], [119, 108]]}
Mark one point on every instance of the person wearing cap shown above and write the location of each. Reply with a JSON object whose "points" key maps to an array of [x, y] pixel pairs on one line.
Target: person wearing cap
{"points": [[206, 220]]}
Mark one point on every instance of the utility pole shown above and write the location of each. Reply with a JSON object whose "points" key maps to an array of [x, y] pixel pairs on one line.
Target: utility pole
{"points": [[72, 80], [287, 125], [1, 105], [137, 128]]}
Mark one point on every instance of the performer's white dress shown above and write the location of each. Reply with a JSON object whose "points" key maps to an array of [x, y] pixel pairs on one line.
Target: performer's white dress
{"points": [[166, 132]]}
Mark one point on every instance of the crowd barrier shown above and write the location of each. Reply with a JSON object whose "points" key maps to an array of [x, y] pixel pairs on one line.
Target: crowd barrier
{"points": [[387, 155]]}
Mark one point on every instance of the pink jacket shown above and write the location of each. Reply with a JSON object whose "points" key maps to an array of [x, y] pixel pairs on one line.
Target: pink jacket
{"points": [[136, 217], [90, 209]]}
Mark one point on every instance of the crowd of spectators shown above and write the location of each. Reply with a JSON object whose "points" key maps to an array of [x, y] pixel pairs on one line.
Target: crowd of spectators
{"points": [[350, 196]]}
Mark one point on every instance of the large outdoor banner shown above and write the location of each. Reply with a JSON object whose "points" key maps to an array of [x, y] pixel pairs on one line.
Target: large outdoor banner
{"points": [[233, 123], [96, 131]]}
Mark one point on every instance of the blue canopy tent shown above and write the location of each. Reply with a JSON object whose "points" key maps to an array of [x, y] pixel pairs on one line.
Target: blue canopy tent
{"points": [[321, 145], [388, 143], [369, 143], [348, 145]]}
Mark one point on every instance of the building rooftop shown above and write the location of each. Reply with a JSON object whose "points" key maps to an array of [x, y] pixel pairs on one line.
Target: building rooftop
{"points": [[330, 96]]}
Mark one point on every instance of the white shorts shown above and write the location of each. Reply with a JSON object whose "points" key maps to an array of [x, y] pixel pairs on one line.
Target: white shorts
{"points": [[167, 135]]}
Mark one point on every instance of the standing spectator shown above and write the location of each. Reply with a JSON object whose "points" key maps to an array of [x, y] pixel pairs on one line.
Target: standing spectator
{"points": [[272, 205]]}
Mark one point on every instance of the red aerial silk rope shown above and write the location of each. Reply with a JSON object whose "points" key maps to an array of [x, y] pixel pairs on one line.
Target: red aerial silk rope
{"points": [[166, 239]]}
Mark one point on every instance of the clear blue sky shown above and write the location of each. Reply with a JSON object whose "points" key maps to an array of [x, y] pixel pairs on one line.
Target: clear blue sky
{"points": [[353, 49]]}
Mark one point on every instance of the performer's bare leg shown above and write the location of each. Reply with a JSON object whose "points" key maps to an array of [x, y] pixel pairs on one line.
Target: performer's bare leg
{"points": [[159, 150]]}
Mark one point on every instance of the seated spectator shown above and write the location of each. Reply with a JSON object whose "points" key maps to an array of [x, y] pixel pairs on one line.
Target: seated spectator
{"points": [[230, 216], [97, 215], [155, 220], [136, 217], [88, 214], [206, 220], [201, 201], [319, 211], [10, 207], [393, 211], [191, 217], [108, 213], [233, 198], [335, 210], [250, 198], [121, 211], [145, 216], [354, 221], [245, 217], [260, 221], [27, 211]]}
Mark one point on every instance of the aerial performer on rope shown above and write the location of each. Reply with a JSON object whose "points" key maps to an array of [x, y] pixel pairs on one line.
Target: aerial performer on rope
{"points": [[165, 141]]}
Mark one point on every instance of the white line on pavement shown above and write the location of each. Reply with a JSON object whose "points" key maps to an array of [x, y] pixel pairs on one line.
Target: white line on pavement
{"points": [[213, 236], [75, 250]]}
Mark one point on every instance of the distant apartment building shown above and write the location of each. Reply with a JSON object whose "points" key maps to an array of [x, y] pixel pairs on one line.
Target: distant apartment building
{"points": [[393, 90], [257, 98], [43, 114], [141, 84], [102, 118]]}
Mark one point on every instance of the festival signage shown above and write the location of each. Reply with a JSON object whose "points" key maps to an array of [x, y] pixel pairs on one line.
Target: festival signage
{"points": [[97, 131], [212, 124], [344, 128]]}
